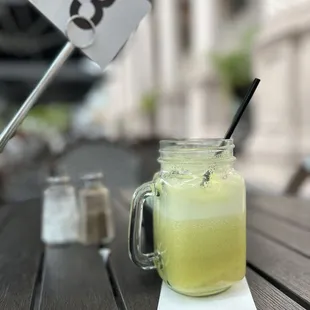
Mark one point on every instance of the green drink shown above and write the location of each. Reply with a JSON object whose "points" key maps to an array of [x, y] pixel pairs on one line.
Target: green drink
{"points": [[200, 235], [199, 224]]}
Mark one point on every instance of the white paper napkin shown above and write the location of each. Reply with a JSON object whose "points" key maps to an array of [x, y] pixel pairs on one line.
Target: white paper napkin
{"points": [[238, 297]]}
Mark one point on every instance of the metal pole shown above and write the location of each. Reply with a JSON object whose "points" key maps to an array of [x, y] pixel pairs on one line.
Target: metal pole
{"points": [[21, 114]]}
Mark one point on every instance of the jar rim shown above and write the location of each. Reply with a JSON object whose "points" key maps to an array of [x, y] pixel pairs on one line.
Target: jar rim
{"points": [[196, 151], [198, 144]]}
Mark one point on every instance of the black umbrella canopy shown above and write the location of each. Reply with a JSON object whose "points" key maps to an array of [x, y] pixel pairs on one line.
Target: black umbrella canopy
{"points": [[25, 34], [28, 44]]}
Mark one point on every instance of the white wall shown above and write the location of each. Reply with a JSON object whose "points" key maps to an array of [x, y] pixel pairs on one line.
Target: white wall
{"points": [[271, 8], [168, 38], [204, 25], [131, 77]]}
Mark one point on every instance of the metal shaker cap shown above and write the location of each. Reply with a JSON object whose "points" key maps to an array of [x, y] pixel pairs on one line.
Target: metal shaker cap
{"points": [[58, 180], [92, 176]]}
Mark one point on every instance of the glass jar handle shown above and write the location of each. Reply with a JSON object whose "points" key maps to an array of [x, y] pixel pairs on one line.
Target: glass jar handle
{"points": [[142, 260]]}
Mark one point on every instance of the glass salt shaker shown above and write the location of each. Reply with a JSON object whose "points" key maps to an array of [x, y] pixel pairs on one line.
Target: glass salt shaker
{"points": [[97, 227], [60, 216]]}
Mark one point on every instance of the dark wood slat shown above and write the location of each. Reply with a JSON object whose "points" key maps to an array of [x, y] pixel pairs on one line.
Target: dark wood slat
{"points": [[138, 289], [20, 255], [75, 278], [290, 209], [289, 270], [6, 213], [287, 234], [125, 196], [266, 296]]}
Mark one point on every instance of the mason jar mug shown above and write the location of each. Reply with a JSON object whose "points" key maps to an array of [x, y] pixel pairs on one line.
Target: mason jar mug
{"points": [[199, 218]]}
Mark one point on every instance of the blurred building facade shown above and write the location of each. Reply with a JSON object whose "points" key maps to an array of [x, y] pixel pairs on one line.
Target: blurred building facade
{"points": [[168, 62], [280, 142]]}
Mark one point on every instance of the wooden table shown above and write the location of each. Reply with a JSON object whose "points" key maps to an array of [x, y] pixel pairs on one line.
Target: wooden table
{"points": [[76, 277]]}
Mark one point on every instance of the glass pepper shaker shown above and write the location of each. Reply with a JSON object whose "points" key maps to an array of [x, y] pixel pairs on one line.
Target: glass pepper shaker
{"points": [[97, 227], [60, 216]]}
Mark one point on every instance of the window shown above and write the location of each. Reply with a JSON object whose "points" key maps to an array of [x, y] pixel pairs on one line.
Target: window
{"points": [[235, 6]]}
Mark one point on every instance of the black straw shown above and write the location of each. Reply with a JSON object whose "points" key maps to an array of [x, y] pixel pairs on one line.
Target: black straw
{"points": [[242, 108], [249, 95], [235, 122]]}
